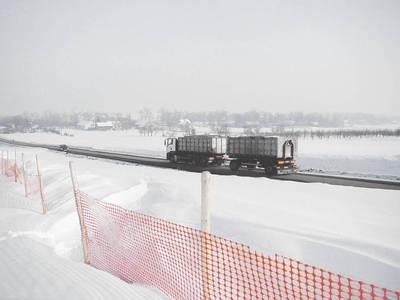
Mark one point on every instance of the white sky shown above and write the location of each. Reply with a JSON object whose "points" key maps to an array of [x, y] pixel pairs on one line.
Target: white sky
{"points": [[341, 55]]}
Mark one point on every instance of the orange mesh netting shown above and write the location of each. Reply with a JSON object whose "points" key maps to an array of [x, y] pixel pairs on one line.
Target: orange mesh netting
{"points": [[15, 172], [186, 263], [12, 170], [32, 185]]}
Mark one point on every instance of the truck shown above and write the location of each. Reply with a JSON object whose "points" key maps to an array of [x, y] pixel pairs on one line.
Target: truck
{"points": [[275, 154], [200, 150]]}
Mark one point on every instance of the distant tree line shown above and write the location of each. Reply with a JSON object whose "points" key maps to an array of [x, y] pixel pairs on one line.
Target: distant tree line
{"points": [[149, 122], [340, 133]]}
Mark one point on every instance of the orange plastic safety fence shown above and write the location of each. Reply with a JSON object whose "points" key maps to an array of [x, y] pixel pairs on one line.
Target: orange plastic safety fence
{"points": [[12, 170], [32, 186], [15, 172], [186, 263]]}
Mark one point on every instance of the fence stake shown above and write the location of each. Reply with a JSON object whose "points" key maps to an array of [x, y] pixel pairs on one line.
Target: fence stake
{"points": [[205, 201], [205, 227], [24, 175], [15, 165], [44, 207], [80, 215]]}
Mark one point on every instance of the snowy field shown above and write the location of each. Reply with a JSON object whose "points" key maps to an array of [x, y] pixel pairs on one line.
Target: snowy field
{"points": [[347, 230], [364, 157]]}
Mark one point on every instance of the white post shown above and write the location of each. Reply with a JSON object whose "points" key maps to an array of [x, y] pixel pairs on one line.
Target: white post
{"points": [[6, 163], [44, 206], [205, 227], [80, 215], [2, 163], [205, 201], [24, 175]]}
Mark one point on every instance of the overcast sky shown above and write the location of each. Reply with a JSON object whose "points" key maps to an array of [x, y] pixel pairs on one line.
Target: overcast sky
{"points": [[324, 56]]}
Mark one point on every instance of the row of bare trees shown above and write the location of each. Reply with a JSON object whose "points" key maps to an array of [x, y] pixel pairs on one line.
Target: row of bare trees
{"points": [[150, 122], [341, 133]]}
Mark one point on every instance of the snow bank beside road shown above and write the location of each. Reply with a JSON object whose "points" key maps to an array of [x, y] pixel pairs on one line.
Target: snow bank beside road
{"points": [[352, 231], [31, 270], [41, 255]]}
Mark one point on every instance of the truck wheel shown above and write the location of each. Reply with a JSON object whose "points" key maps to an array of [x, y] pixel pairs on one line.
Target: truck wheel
{"points": [[203, 162], [270, 171], [234, 165]]}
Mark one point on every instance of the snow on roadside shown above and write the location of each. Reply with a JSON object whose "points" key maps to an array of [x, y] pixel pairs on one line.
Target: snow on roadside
{"points": [[352, 231], [41, 255], [31, 270]]}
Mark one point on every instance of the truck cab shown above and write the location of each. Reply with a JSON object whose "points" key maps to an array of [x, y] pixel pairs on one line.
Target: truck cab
{"points": [[170, 144]]}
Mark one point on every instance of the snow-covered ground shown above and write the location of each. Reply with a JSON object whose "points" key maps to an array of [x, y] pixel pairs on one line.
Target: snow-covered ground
{"points": [[41, 256], [352, 231], [365, 157], [121, 140]]}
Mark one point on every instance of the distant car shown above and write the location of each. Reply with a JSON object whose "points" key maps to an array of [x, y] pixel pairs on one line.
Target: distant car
{"points": [[63, 147]]}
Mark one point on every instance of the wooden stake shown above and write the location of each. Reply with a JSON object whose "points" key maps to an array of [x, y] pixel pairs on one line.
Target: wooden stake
{"points": [[15, 165], [44, 206], [205, 227], [2, 163], [24, 175], [79, 209]]}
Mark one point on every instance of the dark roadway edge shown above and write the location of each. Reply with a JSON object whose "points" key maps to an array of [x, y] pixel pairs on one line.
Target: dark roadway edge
{"points": [[163, 163]]}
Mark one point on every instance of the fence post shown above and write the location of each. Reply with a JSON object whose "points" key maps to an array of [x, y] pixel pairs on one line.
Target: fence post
{"points": [[205, 228], [24, 175], [6, 164], [80, 215], [205, 201], [44, 206], [15, 165], [2, 163]]}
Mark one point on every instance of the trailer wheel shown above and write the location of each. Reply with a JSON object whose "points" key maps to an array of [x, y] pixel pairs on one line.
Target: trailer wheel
{"points": [[173, 158], [203, 162], [270, 171], [234, 165]]}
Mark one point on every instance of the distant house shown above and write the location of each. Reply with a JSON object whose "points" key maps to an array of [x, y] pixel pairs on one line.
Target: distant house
{"points": [[4, 129], [86, 125], [104, 125]]}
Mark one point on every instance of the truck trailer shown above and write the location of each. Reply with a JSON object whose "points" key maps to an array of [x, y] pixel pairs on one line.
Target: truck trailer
{"points": [[275, 154]]}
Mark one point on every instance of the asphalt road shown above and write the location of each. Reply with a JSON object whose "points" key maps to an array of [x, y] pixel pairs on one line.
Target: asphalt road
{"points": [[222, 170]]}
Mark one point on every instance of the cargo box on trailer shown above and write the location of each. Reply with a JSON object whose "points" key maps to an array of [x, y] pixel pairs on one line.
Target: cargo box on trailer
{"points": [[202, 144], [198, 149], [275, 154]]}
